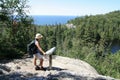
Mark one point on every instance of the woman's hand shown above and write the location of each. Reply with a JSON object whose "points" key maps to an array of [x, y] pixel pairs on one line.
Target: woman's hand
{"points": [[44, 54]]}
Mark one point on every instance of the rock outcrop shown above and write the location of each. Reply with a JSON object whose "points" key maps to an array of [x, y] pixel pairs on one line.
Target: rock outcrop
{"points": [[63, 68]]}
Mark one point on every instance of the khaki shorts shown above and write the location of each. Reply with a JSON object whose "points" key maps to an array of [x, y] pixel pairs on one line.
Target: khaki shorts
{"points": [[38, 56]]}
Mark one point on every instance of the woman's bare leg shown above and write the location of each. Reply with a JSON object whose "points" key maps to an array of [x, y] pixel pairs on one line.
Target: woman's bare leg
{"points": [[34, 61], [41, 62]]}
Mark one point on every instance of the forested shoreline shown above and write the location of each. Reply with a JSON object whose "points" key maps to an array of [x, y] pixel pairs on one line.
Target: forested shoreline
{"points": [[89, 40]]}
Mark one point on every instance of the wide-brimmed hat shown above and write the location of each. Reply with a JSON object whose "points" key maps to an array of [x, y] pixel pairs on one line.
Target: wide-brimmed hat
{"points": [[38, 35]]}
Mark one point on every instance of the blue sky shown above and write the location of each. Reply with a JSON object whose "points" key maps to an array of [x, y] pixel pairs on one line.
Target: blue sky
{"points": [[72, 7]]}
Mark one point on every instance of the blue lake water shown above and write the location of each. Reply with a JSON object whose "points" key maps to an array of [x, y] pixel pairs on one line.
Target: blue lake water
{"points": [[115, 47], [51, 20]]}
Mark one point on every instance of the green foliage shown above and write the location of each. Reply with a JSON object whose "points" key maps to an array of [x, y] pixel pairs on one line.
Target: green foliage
{"points": [[106, 65], [89, 41], [15, 28]]}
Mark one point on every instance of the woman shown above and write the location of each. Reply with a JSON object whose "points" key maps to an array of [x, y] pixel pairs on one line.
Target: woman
{"points": [[39, 52]]}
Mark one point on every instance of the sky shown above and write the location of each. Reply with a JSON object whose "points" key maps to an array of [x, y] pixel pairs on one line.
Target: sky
{"points": [[72, 7]]}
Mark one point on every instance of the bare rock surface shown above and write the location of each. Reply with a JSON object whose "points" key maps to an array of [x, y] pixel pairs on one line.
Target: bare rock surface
{"points": [[63, 68]]}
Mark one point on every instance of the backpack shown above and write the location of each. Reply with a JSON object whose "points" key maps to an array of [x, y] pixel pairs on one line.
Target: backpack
{"points": [[31, 48]]}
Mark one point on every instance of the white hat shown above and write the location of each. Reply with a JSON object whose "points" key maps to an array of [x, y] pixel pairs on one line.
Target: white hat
{"points": [[38, 35]]}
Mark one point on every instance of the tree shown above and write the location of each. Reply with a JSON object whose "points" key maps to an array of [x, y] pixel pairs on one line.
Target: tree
{"points": [[16, 25]]}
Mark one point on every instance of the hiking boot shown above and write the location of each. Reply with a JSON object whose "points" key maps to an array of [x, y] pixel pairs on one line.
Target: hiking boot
{"points": [[37, 68], [42, 68]]}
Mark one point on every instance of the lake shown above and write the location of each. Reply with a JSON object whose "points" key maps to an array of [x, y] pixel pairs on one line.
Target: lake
{"points": [[115, 46], [51, 20]]}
